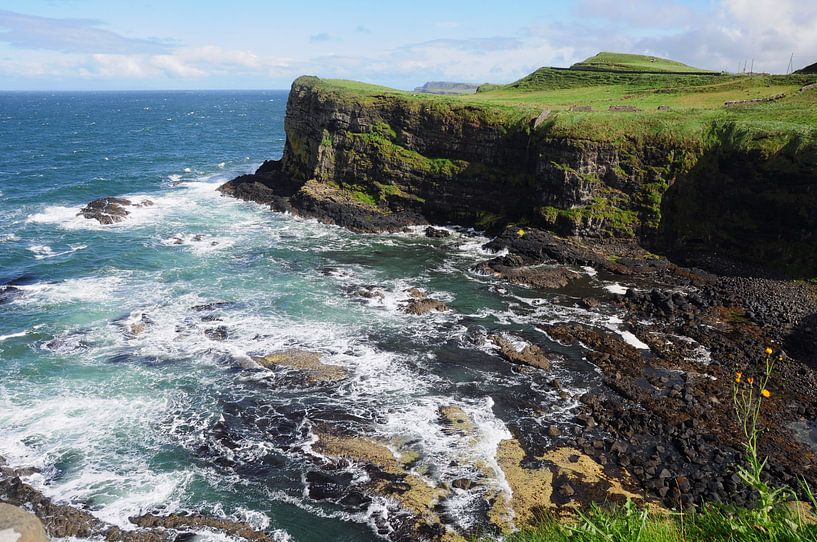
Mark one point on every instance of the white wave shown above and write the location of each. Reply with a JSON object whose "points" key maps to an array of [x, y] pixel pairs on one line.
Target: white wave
{"points": [[448, 453], [614, 324], [38, 432], [90, 290], [591, 272], [41, 251], [616, 288], [13, 335], [8, 238], [198, 243]]}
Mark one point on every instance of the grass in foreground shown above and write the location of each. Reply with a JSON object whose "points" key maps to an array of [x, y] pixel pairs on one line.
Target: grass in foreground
{"points": [[776, 515], [628, 523]]}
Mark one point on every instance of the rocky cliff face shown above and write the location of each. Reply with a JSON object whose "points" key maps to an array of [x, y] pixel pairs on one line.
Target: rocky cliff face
{"points": [[382, 162]]}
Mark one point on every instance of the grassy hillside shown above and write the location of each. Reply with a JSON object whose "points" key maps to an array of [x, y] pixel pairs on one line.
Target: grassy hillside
{"points": [[810, 69], [605, 61]]}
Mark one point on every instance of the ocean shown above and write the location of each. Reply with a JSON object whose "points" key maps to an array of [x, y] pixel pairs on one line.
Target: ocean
{"points": [[126, 373]]}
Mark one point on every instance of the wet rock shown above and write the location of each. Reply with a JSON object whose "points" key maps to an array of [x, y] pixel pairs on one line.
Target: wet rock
{"points": [[554, 431], [206, 307], [17, 525], [462, 483], [389, 478], [367, 292], [307, 362], [197, 521], [110, 210], [589, 303], [436, 233], [60, 521], [454, 417], [419, 303], [531, 355], [325, 486], [216, 333], [511, 268], [9, 294]]}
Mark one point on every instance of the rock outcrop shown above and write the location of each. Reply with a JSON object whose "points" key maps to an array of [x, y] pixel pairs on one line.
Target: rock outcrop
{"points": [[380, 162], [110, 210], [17, 525]]}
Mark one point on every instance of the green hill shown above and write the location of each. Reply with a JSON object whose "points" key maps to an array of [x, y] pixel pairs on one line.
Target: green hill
{"points": [[623, 62], [808, 69]]}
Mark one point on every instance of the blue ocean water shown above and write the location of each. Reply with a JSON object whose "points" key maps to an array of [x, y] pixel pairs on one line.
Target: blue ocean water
{"points": [[125, 349]]}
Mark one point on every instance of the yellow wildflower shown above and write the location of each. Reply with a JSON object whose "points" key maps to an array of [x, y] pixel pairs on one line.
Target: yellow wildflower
{"points": [[520, 232], [737, 376], [765, 393], [769, 350], [750, 380]]}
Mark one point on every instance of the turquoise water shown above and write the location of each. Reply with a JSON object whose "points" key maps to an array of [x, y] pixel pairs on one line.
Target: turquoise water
{"points": [[170, 418]]}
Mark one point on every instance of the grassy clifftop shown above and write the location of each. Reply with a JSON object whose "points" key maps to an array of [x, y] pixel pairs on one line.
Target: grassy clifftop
{"points": [[592, 153], [679, 109]]}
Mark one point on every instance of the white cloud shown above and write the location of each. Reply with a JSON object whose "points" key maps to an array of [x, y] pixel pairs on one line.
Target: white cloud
{"points": [[69, 35], [716, 36]]}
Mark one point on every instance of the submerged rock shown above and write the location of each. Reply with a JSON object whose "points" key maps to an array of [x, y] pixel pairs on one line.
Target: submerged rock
{"points": [[308, 362], [110, 210]]}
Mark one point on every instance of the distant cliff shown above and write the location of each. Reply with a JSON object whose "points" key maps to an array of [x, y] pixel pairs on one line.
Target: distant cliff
{"points": [[445, 87], [374, 162]]}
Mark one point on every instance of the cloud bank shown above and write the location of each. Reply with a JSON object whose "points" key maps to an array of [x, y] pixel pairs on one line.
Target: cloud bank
{"points": [[720, 35]]}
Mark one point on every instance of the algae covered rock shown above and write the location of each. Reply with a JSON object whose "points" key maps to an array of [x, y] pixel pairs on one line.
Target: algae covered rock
{"points": [[306, 362]]}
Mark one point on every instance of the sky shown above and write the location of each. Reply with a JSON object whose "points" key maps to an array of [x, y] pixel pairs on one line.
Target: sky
{"points": [[256, 44]]}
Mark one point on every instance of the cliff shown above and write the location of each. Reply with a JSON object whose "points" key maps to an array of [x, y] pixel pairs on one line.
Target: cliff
{"points": [[373, 159]]}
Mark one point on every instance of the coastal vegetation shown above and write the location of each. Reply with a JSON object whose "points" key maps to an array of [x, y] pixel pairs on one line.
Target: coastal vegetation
{"points": [[601, 149], [777, 514]]}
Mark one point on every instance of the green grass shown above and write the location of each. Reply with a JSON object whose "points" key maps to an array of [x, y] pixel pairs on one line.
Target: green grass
{"points": [[628, 62], [696, 105], [629, 523]]}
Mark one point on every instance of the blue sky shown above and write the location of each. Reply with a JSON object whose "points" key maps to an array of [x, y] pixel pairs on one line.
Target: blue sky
{"points": [[173, 44]]}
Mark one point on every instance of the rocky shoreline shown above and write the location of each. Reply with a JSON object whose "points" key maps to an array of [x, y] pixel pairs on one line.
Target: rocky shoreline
{"points": [[660, 429], [665, 419]]}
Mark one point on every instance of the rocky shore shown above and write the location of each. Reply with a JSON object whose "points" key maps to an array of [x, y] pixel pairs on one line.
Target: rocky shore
{"points": [[658, 428], [663, 428]]}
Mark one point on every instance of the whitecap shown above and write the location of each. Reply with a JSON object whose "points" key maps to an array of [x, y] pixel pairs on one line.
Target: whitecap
{"points": [[90, 290], [616, 288], [41, 251], [13, 335]]}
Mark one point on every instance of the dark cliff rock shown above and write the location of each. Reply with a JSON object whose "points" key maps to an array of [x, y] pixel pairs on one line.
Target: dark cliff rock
{"points": [[382, 162]]}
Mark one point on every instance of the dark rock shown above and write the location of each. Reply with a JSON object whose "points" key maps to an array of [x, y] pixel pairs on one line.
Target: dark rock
{"points": [[216, 333], [106, 210], [436, 233]]}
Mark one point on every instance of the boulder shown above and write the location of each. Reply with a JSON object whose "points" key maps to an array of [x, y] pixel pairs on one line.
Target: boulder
{"points": [[17, 525]]}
